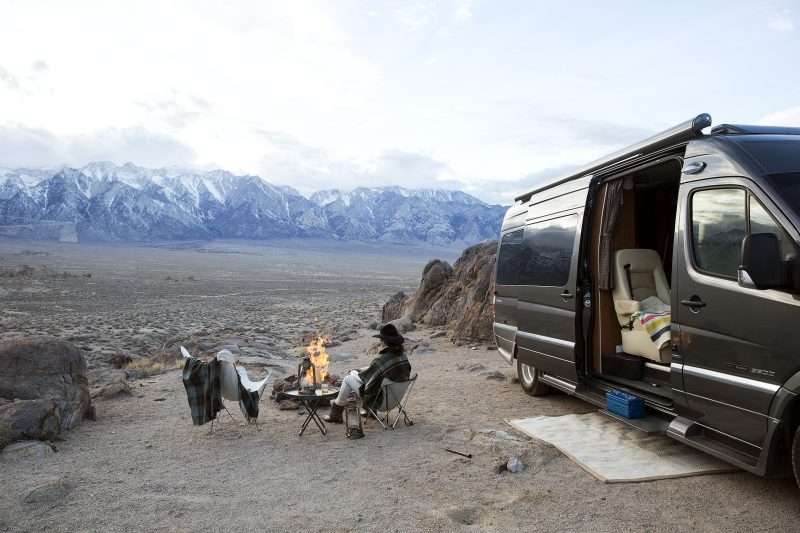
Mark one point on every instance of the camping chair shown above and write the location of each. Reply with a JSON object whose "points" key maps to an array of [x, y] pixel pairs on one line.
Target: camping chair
{"points": [[231, 375], [395, 395]]}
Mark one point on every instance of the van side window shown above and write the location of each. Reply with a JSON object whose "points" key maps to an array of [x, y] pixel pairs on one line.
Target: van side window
{"points": [[720, 220], [719, 223], [548, 252], [510, 261]]}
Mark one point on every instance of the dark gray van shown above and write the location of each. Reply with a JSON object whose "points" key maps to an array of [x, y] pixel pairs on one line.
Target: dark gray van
{"points": [[668, 270]]}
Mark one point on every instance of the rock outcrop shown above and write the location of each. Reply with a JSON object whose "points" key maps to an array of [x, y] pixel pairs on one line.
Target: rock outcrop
{"points": [[43, 389], [457, 297], [393, 309]]}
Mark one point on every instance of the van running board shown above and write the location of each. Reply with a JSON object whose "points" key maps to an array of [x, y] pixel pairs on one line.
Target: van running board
{"points": [[652, 425], [560, 384], [692, 434]]}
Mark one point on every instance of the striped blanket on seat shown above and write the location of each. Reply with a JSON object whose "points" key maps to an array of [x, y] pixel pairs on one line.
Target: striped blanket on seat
{"points": [[655, 317]]}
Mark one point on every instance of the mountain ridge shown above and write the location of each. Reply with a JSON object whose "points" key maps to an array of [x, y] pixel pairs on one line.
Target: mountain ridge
{"points": [[102, 201]]}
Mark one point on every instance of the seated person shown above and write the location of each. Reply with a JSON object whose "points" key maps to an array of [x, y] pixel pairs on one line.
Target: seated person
{"points": [[391, 363]]}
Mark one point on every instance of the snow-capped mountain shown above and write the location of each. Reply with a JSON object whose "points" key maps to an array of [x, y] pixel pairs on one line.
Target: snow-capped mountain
{"points": [[107, 202]]}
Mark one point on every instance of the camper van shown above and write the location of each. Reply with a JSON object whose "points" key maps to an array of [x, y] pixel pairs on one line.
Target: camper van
{"points": [[668, 271]]}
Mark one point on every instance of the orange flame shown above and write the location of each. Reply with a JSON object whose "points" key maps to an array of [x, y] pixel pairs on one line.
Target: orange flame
{"points": [[319, 358]]}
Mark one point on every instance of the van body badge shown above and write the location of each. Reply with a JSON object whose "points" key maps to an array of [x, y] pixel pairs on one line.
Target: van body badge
{"points": [[762, 372]]}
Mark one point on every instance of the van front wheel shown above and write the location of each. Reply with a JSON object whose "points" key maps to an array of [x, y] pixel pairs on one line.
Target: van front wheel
{"points": [[529, 378]]}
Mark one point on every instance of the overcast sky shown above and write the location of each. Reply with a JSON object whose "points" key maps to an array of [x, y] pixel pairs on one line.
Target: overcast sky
{"points": [[487, 95]]}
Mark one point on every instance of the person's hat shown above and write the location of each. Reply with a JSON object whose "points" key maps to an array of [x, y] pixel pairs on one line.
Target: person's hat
{"points": [[389, 334]]}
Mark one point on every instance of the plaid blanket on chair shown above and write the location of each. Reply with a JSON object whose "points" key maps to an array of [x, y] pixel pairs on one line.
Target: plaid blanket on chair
{"points": [[203, 389], [657, 325]]}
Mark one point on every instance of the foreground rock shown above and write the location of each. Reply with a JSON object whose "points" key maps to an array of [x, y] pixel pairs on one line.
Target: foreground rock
{"points": [[30, 450], [458, 298], [43, 389]]}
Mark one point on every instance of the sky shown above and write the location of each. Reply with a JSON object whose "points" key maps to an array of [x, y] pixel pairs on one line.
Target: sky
{"points": [[487, 96]]}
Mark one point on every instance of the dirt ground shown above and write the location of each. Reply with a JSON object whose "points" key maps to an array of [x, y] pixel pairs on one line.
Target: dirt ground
{"points": [[142, 466]]}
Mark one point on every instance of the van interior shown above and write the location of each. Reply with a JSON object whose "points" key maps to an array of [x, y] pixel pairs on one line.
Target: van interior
{"points": [[631, 336]]}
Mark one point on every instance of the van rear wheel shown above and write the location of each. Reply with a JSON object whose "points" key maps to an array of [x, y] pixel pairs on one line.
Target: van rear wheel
{"points": [[529, 378]]}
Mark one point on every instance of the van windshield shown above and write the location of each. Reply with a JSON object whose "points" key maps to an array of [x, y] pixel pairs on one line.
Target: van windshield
{"points": [[780, 159]]}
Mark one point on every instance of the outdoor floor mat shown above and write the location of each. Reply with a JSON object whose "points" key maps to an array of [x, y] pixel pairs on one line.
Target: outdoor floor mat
{"points": [[616, 453]]}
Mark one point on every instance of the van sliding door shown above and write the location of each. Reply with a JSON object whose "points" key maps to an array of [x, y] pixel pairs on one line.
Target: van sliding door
{"points": [[547, 295]]}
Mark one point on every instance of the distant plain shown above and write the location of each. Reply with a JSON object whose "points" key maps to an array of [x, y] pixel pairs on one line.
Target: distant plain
{"points": [[262, 297]]}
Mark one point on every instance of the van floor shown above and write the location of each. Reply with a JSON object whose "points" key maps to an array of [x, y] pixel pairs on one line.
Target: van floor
{"points": [[658, 393]]}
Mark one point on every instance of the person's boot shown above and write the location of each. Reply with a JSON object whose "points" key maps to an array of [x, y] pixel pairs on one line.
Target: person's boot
{"points": [[335, 415]]}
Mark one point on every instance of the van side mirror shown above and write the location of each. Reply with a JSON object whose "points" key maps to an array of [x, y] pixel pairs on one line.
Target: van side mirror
{"points": [[761, 265]]}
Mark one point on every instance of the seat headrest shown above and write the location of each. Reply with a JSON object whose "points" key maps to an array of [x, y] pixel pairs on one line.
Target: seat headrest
{"points": [[644, 277], [640, 259]]}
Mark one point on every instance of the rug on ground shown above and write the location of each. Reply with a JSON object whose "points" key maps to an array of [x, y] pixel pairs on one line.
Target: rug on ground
{"points": [[616, 453]]}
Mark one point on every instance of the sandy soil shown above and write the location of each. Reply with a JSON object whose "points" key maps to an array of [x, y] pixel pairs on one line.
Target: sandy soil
{"points": [[143, 466]]}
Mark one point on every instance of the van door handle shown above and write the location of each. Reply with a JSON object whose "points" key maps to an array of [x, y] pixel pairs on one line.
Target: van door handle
{"points": [[566, 295], [694, 302]]}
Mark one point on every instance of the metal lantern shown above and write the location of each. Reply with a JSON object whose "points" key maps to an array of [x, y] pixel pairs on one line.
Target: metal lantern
{"points": [[352, 420], [302, 369]]}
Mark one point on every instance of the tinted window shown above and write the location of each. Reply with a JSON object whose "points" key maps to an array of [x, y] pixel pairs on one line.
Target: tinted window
{"points": [[762, 222], [547, 252], [788, 187], [719, 223], [510, 259], [776, 156]]}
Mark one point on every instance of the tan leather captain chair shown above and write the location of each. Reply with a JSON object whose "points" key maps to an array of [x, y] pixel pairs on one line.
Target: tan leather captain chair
{"points": [[638, 274]]}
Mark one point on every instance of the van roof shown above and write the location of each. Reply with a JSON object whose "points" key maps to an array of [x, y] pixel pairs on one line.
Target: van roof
{"points": [[677, 135]]}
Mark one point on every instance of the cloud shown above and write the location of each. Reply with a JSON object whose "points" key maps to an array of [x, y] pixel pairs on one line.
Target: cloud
{"points": [[178, 111], [9, 80], [308, 168], [784, 117], [463, 10], [781, 22], [22, 146], [566, 130]]}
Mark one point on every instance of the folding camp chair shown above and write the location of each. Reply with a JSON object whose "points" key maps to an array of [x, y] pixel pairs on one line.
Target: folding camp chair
{"points": [[232, 374], [395, 395]]}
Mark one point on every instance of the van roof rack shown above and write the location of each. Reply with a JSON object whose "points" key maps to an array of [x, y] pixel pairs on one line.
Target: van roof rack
{"points": [[743, 129], [683, 132]]}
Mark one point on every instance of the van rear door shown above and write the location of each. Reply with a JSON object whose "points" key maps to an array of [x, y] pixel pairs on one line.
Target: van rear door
{"points": [[506, 290], [547, 294]]}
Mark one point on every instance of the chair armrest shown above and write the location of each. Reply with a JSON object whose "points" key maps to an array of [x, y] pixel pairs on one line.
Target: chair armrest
{"points": [[626, 307]]}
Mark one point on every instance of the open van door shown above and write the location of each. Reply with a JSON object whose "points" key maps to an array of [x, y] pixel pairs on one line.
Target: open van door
{"points": [[547, 294]]}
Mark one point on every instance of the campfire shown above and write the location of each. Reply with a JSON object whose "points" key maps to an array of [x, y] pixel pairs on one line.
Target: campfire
{"points": [[316, 371]]}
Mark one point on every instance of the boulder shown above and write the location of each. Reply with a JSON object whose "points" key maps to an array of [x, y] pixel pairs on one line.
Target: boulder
{"points": [[31, 450], [393, 309], [435, 277], [118, 387], [48, 494], [29, 419], [46, 379], [120, 360], [404, 324]]}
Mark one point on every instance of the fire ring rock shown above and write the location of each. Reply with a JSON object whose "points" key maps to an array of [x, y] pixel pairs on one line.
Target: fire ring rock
{"points": [[43, 389]]}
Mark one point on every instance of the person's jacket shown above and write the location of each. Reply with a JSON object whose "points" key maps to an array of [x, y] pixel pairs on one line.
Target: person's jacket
{"points": [[391, 363]]}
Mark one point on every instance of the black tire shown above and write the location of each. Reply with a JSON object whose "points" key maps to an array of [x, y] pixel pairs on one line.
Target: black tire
{"points": [[796, 456], [529, 379]]}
